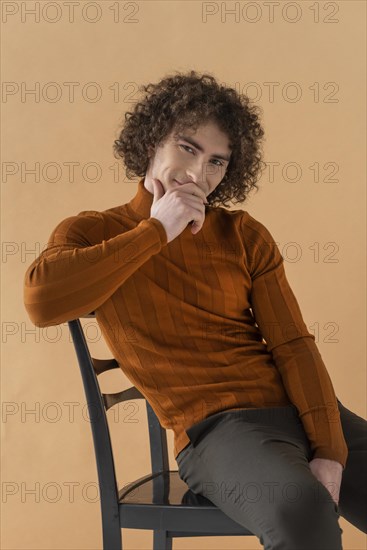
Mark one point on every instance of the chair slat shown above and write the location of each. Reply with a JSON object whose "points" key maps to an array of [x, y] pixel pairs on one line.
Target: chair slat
{"points": [[102, 365], [111, 399]]}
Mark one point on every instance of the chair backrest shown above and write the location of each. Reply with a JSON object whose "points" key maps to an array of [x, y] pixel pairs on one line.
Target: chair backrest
{"points": [[98, 403]]}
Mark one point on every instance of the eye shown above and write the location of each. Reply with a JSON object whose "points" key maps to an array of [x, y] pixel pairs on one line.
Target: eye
{"points": [[185, 147], [220, 163]]}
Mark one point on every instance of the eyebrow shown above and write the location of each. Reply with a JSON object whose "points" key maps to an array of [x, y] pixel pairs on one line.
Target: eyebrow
{"points": [[195, 144]]}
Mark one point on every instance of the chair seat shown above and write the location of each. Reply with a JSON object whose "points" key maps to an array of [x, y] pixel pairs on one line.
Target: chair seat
{"points": [[165, 500]]}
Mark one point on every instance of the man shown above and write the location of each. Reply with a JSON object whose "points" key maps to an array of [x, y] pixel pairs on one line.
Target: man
{"points": [[194, 304]]}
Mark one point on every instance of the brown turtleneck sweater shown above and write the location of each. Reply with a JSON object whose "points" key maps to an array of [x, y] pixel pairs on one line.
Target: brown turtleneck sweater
{"points": [[205, 323]]}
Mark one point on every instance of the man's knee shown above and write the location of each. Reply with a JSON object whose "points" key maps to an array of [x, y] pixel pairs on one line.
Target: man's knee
{"points": [[306, 523]]}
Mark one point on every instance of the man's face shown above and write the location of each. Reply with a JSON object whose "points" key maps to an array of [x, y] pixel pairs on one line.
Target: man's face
{"points": [[201, 157]]}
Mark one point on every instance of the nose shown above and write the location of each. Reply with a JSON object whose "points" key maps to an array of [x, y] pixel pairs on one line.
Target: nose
{"points": [[198, 173]]}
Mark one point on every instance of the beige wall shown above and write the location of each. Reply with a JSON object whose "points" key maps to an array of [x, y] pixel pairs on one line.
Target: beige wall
{"points": [[320, 216]]}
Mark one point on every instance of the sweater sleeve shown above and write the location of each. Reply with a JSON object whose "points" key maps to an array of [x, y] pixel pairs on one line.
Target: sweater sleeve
{"points": [[296, 356], [79, 270]]}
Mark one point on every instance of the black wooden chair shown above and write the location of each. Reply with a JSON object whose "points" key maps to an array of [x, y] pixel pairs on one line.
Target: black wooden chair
{"points": [[160, 501]]}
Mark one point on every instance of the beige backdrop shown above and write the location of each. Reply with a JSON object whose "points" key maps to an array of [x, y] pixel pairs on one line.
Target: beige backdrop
{"points": [[68, 77]]}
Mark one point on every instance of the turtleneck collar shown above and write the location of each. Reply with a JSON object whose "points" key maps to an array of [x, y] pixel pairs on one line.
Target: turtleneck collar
{"points": [[142, 202]]}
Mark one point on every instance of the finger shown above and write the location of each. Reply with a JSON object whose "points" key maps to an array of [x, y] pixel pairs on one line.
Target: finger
{"points": [[193, 189]]}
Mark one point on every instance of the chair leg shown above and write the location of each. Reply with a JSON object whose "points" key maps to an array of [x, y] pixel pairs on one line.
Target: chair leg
{"points": [[112, 538], [161, 541]]}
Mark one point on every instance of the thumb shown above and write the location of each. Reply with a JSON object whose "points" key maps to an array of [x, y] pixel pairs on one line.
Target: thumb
{"points": [[158, 190]]}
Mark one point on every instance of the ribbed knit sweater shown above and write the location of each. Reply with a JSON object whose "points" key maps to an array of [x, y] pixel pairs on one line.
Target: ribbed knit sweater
{"points": [[203, 324]]}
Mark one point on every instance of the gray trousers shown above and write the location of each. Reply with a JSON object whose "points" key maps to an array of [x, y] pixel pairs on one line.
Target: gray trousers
{"points": [[253, 464]]}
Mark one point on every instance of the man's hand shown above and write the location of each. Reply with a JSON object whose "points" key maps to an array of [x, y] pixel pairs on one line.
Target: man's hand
{"points": [[177, 207], [329, 473]]}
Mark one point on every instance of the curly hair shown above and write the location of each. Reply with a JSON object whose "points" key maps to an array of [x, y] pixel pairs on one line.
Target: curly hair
{"points": [[181, 101]]}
